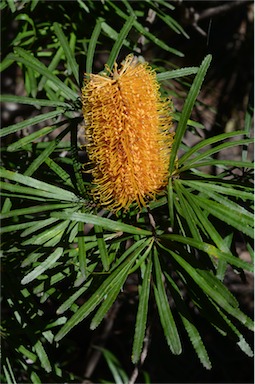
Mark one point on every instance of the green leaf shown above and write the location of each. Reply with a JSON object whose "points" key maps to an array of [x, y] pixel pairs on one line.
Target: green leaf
{"points": [[206, 226], [53, 191], [120, 40], [30, 138], [71, 299], [51, 67], [219, 293], [103, 222], [104, 289], [228, 188], [141, 317], [248, 124], [119, 375], [223, 164], [238, 220], [16, 227], [188, 213], [6, 62], [82, 249], [46, 264], [92, 45], [25, 192], [67, 50], [59, 171], [30, 355], [189, 164], [35, 209], [9, 374], [34, 101], [235, 208], [44, 155], [11, 5], [30, 61], [27, 123], [42, 355], [34, 377], [50, 237], [112, 294], [187, 108], [37, 225], [165, 314], [75, 162], [190, 328], [139, 27], [174, 74], [102, 247], [210, 250], [83, 6]]}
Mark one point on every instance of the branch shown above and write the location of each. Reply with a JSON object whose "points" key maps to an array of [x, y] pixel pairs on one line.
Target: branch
{"points": [[214, 11]]}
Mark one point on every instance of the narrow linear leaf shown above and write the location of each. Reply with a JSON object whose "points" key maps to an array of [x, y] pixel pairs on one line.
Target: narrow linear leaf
{"points": [[44, 155], [59, 171], [103, 222], [206, 142], [212, 151], [30, 138], [119, 375], [37, 184], [35, 209], [139, 27], [119, 41], [102, 247], [165, 314], [223, 188], [29, 122], [46, 264], [69, 302], [141, 317], [210, 250], [111, 296], [190, 328], [37, 225], [42, 355], [92, 45], [187, 108], [30, 192], [67, 50], [96, 298], [224, 164], [82, 250], [9, 373], [15, 227], [30, 61], [218, 294], [51, 67], [50, 237], [239, 221], [175, 73], [34, 101], [207, 226], [75, 162]]}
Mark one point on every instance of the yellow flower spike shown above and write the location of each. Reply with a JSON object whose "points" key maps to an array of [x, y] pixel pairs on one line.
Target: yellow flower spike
{"points": [[127, 128]]}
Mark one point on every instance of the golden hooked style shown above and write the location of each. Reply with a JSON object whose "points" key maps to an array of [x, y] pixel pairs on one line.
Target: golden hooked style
{"points": [[127, 129]]}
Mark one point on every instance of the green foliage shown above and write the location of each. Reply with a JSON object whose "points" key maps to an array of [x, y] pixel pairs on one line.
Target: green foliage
{"points": [[58, 249]]}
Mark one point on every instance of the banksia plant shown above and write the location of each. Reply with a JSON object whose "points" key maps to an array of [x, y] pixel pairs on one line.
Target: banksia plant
{"points": [[127, 126], [153, 276]]}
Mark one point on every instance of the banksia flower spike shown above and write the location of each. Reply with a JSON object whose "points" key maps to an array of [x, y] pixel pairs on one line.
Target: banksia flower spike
{"points": [[127, 129]]}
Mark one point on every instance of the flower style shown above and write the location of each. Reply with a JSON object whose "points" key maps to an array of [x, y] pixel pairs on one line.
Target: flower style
{"points": [[127, 129]]}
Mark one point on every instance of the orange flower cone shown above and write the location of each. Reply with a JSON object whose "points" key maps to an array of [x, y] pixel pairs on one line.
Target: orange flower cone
{"points": [[128, 134]]}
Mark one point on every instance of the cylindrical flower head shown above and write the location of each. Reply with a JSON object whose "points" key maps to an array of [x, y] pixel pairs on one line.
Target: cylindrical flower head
{"points": [[127, 129]]}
